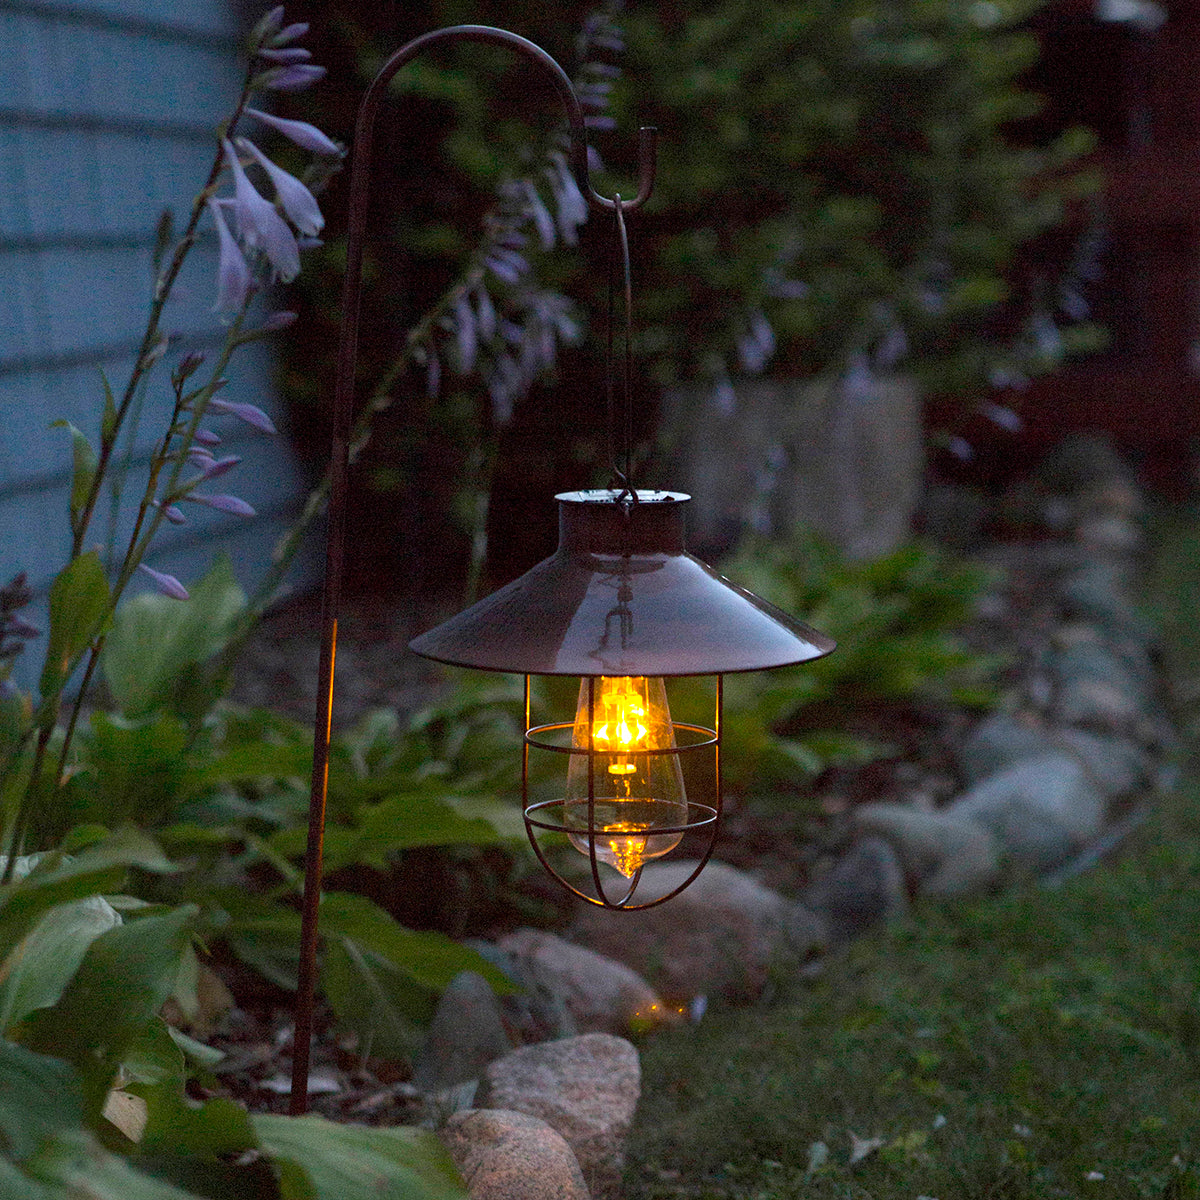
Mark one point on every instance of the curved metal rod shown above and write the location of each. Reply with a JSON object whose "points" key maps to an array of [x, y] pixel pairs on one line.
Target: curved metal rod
{"points": [[343, 414]]}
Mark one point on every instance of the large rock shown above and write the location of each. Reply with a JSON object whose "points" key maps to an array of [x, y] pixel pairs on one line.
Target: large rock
{"points": [[1100, 592], [723, 935], [945, 855], [467, 1032], [585, 1087], [534, 1013], [512, 1156], [1041, 809], [1000, 740], [866, 885], [602, 995], [1117, 765], [844, 456]]}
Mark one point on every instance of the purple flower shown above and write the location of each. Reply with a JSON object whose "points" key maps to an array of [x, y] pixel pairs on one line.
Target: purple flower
{"points": [[206, 437], [244, 412], [233, 275], [1002, 415], [199, 457], [259, 225], [293, 78], [279, 320], [306, 136], [16, 626], [297, 201], [223, 503], [289, 33], [167, 584], [286, 55], [218, 466]]}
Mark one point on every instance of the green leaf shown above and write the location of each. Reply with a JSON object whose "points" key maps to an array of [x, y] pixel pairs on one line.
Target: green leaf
{"points": [[406, 821], [123, 981], [156, 640], [154, 1058], [57, 878], [83, 470], [79, 600], [16, 1185], [82, 1169], [108, 422], [258, 760], [39, 1097], [35, 972], [432, 959], [371, 998], [164, 235], [263, 934], [136, 768], [324, 1161]]}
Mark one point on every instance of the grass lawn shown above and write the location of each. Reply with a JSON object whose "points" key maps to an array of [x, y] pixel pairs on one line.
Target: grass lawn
{"points": [[1043, 1043]]}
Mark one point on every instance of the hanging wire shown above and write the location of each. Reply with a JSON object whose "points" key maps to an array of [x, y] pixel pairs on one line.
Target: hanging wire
{"points": [[619, 251]]}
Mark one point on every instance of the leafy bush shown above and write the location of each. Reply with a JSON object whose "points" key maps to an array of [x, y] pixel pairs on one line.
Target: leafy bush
{"points": [[895, 621], [92, 1078]]}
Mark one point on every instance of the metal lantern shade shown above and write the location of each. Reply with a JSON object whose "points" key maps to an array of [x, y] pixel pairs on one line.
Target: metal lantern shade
{"points": [[621, 596], [621, 602]]}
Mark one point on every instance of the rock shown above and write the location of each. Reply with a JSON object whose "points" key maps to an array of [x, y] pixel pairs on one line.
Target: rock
{"points": [[1096, 661], [844, 459], [1098, 704], [1117, 765], [512, 1156], [537, 1013], [1041, 809], [467, 1032], [1081, 463], [585, 1087], [1109, 533], [864, 886], [945, 855], [602, 995], [722, 935], [998, 741], [1099, 593]]}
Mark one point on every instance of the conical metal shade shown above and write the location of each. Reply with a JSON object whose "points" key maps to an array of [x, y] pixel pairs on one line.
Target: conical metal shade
{"points": [[621, 596]]}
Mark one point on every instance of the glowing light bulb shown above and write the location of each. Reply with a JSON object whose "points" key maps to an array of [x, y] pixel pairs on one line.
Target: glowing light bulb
{"points": [[635, 792]]}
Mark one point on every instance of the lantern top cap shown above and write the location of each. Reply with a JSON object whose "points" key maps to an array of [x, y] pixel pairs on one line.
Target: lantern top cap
{"points": [[617, 496], [621, 596]]}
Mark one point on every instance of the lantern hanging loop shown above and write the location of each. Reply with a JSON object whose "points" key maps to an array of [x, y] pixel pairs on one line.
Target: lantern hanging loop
{"points": [[618, 257]]}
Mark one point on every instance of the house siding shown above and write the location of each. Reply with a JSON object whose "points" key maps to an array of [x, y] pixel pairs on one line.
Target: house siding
{"points": [[107, 112]]}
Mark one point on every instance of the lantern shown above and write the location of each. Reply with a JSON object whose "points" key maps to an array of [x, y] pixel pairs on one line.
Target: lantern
{"points": [[621, 605]]}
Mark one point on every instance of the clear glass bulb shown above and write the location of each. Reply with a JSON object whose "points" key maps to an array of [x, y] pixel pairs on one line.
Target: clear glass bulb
{"points": [[635, 792]]}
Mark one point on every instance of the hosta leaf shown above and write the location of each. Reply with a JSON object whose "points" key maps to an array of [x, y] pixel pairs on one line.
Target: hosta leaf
{"points": [[121, 984], [370, 997], [35, 972], [39, 1097], [58, 878], [78, 1168], [432, 959], [79, 598], [156, 639], [319, 1160]]}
